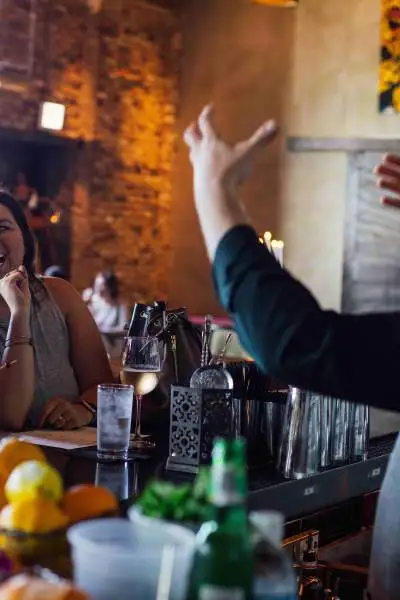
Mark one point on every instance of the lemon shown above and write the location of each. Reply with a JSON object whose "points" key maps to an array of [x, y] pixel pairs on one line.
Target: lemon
{"points": [[33, 479], [33, 515]]}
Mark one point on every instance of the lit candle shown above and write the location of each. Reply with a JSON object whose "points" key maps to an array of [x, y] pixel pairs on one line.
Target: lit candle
{"points": [[277, 249], [267, 239]]}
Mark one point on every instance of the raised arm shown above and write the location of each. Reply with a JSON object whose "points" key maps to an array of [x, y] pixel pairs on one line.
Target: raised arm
{"points": [[278, 320], [17, 383], [282, 326]]}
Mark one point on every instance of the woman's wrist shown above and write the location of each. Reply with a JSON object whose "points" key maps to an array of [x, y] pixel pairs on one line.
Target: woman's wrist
{"points": [[84, 413], [20, 323]]}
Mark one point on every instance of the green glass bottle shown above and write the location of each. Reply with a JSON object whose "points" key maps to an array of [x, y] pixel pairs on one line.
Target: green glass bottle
{"points": [[223, 564]]}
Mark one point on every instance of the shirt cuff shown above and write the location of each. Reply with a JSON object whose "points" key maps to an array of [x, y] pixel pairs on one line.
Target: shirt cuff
{"points": [[238, 252]]}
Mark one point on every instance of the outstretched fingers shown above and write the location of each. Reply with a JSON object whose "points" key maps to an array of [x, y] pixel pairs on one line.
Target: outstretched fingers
{"points": [[205, 122], [264, 134], [192, 135]]}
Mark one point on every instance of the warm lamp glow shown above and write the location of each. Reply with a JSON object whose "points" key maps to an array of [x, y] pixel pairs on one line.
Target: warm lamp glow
{"points": [[52, 116], [55, 218], [282, 3]]}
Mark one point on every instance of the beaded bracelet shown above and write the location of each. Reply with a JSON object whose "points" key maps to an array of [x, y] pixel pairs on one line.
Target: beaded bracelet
{"points": [[90, 407], [7, 364]]}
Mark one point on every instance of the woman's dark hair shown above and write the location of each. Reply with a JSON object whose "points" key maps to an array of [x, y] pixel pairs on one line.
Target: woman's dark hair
{"points": [[112, 284], [7, 200]]}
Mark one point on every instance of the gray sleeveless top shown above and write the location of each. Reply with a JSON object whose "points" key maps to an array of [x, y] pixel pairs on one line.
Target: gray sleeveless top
{"points": [[53, 369]]}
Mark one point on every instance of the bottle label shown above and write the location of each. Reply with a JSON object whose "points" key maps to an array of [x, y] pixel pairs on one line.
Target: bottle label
{"points": [[225, 488], [214, 592]]}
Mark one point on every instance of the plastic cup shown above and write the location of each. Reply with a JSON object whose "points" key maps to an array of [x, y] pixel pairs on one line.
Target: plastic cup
{"points": [[116, 558]]}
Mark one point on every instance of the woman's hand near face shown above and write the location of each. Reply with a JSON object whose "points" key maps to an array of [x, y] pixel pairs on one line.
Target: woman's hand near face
{"points": [[14, 288]]}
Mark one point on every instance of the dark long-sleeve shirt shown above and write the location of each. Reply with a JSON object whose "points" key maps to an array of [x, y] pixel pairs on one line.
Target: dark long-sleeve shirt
{"points": [[356, 357], [281, 325]]}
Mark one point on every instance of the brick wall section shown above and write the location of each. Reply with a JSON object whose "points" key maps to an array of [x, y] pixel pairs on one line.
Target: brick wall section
{"points": [[117, 72]]}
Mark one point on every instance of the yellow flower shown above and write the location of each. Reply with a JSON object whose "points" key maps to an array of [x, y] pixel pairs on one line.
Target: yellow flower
{"points": [[396, 98], [389, 74], [386, 32]]}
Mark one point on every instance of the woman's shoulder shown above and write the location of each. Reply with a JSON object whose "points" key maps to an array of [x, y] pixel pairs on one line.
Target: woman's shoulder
{"points": [[65, 295], [58, 284]]}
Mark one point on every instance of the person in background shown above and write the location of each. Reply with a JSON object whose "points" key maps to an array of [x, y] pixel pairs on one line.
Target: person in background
{"points": [[282, 326], [109, 313], [48, 336], [22, 191], [56, 271]]}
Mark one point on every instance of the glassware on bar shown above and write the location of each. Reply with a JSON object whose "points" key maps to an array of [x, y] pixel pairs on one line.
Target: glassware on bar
{"points": [[326, 430], [141, 366], [359, 432], [340, 443], [114, 413], [208, 376], [115, 477], [300, 446]]}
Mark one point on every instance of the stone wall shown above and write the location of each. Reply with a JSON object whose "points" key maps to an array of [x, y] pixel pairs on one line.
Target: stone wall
{"points": [[116, 69]]}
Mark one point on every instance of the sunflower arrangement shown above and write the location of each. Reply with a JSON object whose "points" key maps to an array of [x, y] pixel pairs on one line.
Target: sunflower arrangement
{"points": [[389, 71]]}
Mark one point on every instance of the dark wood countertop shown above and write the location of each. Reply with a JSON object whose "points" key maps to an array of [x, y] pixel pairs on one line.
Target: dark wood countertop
{"points": [[266, 489]]}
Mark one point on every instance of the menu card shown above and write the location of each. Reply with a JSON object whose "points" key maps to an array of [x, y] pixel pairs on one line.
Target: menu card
{"points": [[65, 440]]}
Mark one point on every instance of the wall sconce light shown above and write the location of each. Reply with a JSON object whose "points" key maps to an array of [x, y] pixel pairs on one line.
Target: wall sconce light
{"points": [[281, 3], [52, 116]]}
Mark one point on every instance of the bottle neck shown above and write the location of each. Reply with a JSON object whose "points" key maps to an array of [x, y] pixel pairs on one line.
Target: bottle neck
{"points": [[231, 516], [228, 494]]}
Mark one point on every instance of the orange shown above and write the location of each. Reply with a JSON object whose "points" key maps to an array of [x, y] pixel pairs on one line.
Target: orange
{"points": [[88, 502], [14, 452], [22, 587], [3, 499], [34, 515]]}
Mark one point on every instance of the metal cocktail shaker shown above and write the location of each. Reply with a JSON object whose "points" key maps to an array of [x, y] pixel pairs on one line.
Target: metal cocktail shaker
{"points": [[341, 430], [359, 432]]}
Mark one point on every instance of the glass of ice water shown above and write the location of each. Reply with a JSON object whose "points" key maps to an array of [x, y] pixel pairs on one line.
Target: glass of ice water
{"points": [[114, 414]]}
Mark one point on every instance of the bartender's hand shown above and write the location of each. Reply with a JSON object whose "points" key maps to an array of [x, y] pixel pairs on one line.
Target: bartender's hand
{"points": [[218, 167], [388, 172], [60, 413], [216, 162]]}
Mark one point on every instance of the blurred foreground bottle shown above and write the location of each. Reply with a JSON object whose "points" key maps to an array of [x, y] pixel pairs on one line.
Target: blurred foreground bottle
{"points": [[274, 578], [223, 564]]}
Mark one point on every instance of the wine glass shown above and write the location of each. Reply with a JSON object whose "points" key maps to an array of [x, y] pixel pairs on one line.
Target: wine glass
{"points": [[141, 365]]}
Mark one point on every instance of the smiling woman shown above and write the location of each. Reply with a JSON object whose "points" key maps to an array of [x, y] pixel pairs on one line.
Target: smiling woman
{"points": [[57, 368]]}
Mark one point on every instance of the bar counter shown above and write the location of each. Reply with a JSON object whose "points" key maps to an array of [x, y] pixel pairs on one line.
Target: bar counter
{"points": [[266, 489]]}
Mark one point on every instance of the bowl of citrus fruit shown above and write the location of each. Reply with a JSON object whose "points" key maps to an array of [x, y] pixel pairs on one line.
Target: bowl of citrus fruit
{"points": [[36, 510]]}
